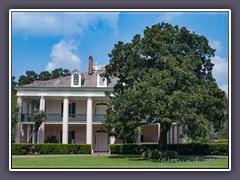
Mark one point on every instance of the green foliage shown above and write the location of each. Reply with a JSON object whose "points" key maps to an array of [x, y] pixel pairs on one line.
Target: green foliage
{"points": [[44, 75], [164, 77], [200, 148], [22, 149], [169, 154], [14, 110], [181, 149], [31, 76], [59, 72], [223, 133], [38, 117], [151, 154]]}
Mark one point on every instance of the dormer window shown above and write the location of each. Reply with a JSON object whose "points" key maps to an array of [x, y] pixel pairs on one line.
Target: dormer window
{"points": [[101, 82], [76, 78]]}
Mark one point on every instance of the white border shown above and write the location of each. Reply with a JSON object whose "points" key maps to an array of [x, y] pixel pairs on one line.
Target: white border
{"points": [[121, 10]]}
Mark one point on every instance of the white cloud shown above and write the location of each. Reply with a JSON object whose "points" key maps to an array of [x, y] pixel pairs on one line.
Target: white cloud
{"points": [[220, 69], [224, 87], [62, 56], [215, 45], [169, 16], [66, 24]]}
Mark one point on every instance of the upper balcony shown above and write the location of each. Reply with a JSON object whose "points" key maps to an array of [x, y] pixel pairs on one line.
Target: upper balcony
{"points": [[58, 118]]}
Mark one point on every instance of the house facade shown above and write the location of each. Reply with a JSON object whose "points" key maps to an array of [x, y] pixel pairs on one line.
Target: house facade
{"points": [[75, 109]]}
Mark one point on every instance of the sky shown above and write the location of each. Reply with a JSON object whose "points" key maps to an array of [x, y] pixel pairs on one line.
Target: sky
{"points": [[44, 41]]}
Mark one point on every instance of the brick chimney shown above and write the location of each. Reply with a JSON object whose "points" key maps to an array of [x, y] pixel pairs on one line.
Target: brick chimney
{"points": [[90, 65]]}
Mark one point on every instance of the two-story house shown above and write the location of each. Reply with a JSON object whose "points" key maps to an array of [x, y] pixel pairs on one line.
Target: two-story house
{"points": [[75, 109]]}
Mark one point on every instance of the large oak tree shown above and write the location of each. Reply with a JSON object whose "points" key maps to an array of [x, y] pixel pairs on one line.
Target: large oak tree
{"points": [[164, 77]]}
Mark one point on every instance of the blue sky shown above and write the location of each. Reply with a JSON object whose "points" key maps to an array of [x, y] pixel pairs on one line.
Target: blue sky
{"points": [[48, 40]]}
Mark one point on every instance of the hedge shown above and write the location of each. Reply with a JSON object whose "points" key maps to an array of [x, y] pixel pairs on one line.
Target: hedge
{"points": [[182, 149], [23, 148]]}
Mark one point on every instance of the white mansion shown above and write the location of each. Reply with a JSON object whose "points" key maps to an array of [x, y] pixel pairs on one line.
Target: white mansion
{"points": [[75, 108]]}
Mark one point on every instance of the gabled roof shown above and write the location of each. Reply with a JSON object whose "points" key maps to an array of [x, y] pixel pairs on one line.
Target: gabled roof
{"points": [[89, 81]]}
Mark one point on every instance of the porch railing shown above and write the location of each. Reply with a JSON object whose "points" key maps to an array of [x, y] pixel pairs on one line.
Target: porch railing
{"points": [[58, 117], [26, 117], [99, 117]]}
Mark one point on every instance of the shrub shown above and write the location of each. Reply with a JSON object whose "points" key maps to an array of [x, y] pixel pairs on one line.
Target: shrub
{"points": [[18, 149], [200, 148], [181, 149], [170, 154], [151, 154], [21, 149]]}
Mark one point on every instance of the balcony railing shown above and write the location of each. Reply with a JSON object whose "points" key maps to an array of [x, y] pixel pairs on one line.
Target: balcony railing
{"points": [[26, 117], [99, 117], [59, 117]]}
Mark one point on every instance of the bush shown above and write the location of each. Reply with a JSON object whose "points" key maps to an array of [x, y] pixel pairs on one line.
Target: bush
{"points": [[22, 149], [151, 154], [200, 148], [181, 149], [170, 154]]}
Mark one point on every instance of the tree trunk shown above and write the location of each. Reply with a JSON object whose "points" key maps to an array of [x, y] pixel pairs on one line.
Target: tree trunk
{"points": [[163, 137]]}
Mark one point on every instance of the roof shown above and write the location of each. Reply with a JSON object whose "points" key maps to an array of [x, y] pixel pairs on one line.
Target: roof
{"points": [[89, 81]]}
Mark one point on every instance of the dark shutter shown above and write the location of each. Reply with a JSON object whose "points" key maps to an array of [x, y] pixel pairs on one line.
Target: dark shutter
{"points": [[61, 109], [73, 109]]}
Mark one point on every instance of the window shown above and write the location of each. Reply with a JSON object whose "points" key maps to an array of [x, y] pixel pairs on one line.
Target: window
{"points": [[76, 79], [102, 82]]}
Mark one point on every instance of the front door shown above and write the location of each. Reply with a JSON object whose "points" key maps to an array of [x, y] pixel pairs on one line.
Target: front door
{"points": [[101, 142]]}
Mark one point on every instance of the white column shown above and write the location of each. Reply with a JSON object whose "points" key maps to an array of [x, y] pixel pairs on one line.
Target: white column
{"points": [[34, 135], [89, 121], [175, 134], [65, 121], [138, 140], [158, 135], [41, 132], [18, 130], [29, 132], [30, 108], [112, 140], [24, 106], [168, 137], [171, 136]]}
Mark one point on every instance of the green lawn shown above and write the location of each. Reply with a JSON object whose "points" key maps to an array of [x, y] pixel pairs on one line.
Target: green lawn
{"points": [[113, 162]]}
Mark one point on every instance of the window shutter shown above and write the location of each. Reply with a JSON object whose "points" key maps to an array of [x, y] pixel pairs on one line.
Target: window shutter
{"points": [[61, 109], [73, 108]]}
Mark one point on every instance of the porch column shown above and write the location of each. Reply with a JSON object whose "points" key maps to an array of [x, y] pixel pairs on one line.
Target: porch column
{"points": [[41, 132], [30, 108], [171, 136], [158, 124], [29, 131], [18, 130], [112, 140], [168, 137], [138, 140], [65, 121], [89, 121], [175, 134]]}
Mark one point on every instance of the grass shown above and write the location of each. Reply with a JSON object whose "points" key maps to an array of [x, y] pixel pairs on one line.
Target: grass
{"points": [[107, 162]]}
